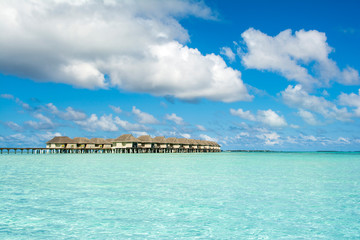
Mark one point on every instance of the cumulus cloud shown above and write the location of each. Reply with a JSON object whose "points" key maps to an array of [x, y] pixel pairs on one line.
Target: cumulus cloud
{"points": [[292, 55], [144, 117], [94, 123], [115, 109], [129, 126], [185, 135], [296, 96], [24, 105], [45, 123], [350, 76], [108, 123], [351, 100], [243, 114], [33, 140], [268, 117], [69, 114], [270, 138], [176, 119], [137, 46], [7, 96], [13, 126], [208, 138], [309, 137], [138, 134], [271, 118], [201, 128], [343, 140], [308, 117], [226, 51], [48, 135], [242, 134]]}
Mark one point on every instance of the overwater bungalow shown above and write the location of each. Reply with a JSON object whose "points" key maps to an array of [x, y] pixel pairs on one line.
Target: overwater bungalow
{"points": [[60, 142], [100, 143], [82, 142], [160, 143], [173, 144], [146, 143], [201, 145], [127, 143], [193, 145], [184, 144]]}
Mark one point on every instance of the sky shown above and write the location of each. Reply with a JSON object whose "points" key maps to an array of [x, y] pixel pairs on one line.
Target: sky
{"points": [[259, 74]]}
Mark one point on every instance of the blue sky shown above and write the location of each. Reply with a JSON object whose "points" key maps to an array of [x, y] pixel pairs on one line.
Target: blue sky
{"points": [[278, 75]]}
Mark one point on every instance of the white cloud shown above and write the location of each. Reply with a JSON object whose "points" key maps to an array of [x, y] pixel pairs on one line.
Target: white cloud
{"points": [[350, 76], [343, 140], [138, 133], [115, 109], [185, 135], [296, 96], [208, 138], [45, 123], [242, 134], [18, 137], [7, 96], [201, 128], [308, 117], [309, 137], [69, 114], [108, 123], [32, 140], [94, 123], [13, 126], [24, 105], [243, 114], [129, 126], [144, 117], [268, 117], [351, 100], [271, 118], [138, 45], [291, 55], [226, 51], [47, 136], [176, 119], [270, 138]]}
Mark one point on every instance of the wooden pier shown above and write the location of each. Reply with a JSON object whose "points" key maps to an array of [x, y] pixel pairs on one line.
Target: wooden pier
{"points": [[8, 150]]}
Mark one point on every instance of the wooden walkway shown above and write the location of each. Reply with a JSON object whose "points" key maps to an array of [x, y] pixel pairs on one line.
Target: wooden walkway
{"points": [[101, 150]]}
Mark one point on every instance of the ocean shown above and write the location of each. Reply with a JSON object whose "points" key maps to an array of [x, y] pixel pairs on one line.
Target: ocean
{"points": [[180, 196]]}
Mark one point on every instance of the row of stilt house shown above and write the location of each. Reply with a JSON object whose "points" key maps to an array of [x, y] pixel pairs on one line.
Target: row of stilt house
{"points": [[127, 143]]}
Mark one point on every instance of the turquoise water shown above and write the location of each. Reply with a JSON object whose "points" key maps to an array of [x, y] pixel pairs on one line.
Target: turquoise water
{"points": [[180, 196]]}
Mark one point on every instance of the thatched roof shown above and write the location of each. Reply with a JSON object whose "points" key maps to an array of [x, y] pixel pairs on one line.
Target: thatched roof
{"points": [[80, 140], [145, 139], [98, 141], [126, 138], [60, 140], [211, 143], [184, 141], [159, 139], [193, 142], [207, 143], [200, 142], [172, 140]]}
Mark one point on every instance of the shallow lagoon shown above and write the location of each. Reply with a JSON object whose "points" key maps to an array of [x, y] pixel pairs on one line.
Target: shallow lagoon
{"points": [[167, 196]]}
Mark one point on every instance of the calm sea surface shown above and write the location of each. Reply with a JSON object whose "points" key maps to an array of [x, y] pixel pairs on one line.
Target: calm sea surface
{"points": [[180, 196]]}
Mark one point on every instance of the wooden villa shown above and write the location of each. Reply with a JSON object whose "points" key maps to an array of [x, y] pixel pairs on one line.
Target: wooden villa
{"points": [[127, 143]]}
